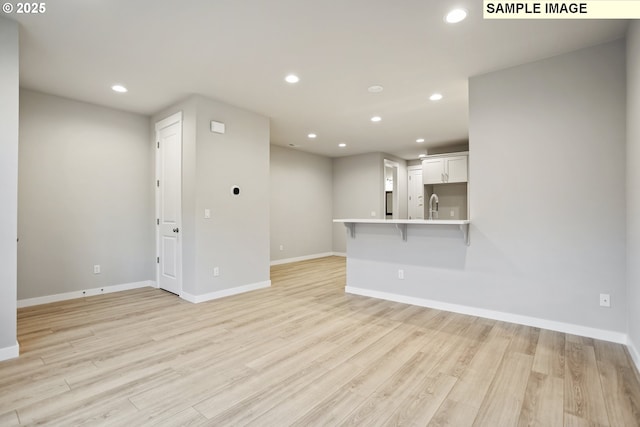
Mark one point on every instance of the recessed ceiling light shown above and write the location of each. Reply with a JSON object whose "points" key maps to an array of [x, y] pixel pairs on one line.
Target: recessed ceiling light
{"points": [[422, 156], [420, 140], [436, 97], [292, 78], [455, 16], [375, 89], [342, 145], [376, 119], [312, 135], [119, 88]]}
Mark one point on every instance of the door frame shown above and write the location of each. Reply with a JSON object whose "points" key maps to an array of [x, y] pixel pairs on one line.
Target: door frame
{"points": [[161, 124], [395, 166]]}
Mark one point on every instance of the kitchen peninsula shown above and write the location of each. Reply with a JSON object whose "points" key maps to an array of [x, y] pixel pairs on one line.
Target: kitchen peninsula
{"points": [[409, 261]]}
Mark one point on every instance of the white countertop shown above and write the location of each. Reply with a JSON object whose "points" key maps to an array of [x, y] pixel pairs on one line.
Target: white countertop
{"points": [[401, 224], [406, 221]]}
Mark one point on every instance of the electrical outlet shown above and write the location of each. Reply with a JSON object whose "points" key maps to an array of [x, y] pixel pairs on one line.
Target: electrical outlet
{"points": [[282, 247], [216, 271], [207, 213], [373, 213], [401, 274], [605, 300], [96, 269], [452, 213]]}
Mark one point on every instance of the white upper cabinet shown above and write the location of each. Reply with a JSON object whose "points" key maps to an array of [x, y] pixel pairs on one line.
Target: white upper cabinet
{"points": [[433, 170], [456, 169], [443, 169]]}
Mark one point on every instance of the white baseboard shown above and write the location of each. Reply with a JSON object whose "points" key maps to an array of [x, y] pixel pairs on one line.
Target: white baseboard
{"points": [[305, 258], [342, 254], [601, 334], [635, 354], [224, 293], [12, 352], [84, 293]]}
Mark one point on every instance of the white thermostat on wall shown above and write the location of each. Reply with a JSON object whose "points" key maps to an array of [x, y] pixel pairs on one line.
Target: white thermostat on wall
{"points": [[217, 127]]}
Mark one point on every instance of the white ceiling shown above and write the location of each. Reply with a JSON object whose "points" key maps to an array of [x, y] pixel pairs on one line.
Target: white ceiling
{"points": [[239, 51]]}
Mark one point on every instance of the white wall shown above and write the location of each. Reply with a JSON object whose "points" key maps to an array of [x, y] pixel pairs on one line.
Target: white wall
{"points": [[8, 186], [547, 203], [236, 237], [633, 186], [301, 204], [86, 197]]}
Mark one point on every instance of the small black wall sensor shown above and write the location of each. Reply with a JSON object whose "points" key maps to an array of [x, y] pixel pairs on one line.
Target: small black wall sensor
{"points": [[235, 190]]}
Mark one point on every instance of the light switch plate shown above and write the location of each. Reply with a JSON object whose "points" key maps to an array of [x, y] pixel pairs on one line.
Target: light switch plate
{"points": [[207, 213]]}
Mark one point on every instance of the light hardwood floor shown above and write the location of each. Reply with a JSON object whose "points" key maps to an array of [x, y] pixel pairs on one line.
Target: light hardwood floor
{"points": [[303, 353]]}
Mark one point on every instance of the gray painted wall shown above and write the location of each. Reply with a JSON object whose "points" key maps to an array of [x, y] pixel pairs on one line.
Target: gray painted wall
{"points": [[8, 181], [301, 203], [451, 197], [547, 200], [236, 237], [547, 186], [86, 196], [358, 190], [633, 185], [358, 185]]}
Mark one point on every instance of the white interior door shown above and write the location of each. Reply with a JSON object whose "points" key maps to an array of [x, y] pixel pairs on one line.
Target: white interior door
{"points": [[416, 194], [168, 203]]}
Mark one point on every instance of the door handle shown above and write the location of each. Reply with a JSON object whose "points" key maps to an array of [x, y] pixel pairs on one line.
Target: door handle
{"points": [[176, 230]]}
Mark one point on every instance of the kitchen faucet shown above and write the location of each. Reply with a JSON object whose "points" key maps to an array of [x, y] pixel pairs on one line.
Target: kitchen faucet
{"points": [[432, 211]]}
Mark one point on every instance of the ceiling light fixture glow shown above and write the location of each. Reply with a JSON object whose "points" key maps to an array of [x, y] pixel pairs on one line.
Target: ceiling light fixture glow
{"points": [[376, 119], [375, 89], [292, 78], [312, 136], [119, 89], [422, 156], [342, 145], [436, 97], [455, 16], [420, 140]]}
